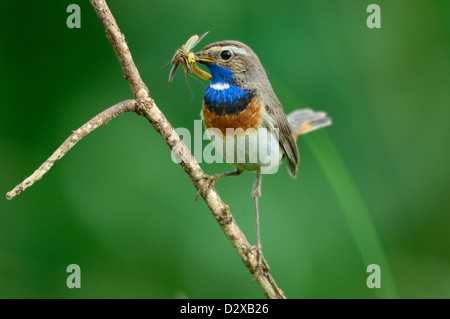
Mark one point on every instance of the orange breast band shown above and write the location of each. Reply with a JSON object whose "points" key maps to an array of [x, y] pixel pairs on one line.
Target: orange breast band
{"points": [[249, 118]]}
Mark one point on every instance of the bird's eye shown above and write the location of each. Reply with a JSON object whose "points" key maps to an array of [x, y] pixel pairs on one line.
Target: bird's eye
{"points": [[226, 55]]}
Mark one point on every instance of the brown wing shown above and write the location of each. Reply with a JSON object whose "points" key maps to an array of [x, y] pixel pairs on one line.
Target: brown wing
{"points": [[274, 117]]}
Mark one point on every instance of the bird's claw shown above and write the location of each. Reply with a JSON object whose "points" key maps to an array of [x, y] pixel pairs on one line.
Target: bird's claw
{"points": [[261, 263], [211, 179]]}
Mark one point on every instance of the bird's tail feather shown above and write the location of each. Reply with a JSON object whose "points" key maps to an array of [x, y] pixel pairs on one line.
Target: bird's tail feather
{"points": [[306, 120]]}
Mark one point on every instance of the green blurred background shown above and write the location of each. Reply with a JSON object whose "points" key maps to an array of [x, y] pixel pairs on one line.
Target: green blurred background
{"points": [[373, 188]]}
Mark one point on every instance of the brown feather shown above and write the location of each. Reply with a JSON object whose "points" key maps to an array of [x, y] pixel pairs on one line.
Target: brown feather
{"points": [[249, 118], [275, 117]]}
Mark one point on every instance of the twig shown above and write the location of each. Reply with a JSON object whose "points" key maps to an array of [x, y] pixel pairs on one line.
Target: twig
{"points": [[99, 120], [145, 106]]}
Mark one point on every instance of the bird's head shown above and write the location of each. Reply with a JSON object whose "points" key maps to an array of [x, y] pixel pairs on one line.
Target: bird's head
{"points": [[232, 62]]}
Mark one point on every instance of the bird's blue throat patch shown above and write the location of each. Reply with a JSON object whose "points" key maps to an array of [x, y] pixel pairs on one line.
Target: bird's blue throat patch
{"points": [[222, 95]]}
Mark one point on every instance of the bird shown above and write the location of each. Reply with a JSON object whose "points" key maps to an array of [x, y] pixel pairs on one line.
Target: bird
{"points": [[240, 109]]}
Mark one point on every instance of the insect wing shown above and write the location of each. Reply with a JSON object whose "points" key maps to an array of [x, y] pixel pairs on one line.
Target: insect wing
{"points": [[199, 39], [190, 44], [172, 71]]}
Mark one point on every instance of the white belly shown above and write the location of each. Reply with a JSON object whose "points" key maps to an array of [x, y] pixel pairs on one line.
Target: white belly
{"points": [[255, 150]]}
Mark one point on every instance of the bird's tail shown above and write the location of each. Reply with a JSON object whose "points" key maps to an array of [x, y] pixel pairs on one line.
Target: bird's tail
{"points": [[306, 120]]}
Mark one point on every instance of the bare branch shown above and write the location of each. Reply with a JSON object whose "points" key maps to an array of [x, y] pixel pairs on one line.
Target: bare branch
{"points": [[121, 49], [145, 106], [99, 120]]}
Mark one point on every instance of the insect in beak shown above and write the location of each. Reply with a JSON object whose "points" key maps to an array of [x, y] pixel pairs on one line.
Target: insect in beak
{"points": [[188, 59], [203, 58]]}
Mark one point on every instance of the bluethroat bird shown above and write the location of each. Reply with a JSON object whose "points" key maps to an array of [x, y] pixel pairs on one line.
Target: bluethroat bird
{"points": [[240, 96]]}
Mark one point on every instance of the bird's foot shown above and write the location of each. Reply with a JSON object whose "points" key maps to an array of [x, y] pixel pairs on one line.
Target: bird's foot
{"points": [[210, 179], [261, 264]]}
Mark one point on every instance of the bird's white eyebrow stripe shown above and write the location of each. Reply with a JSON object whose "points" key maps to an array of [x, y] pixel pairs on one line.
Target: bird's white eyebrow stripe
{"points": [[236, 50]]}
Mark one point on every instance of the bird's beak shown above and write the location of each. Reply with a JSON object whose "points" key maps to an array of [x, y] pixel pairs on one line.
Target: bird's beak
{"points": [[199, 57]]}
